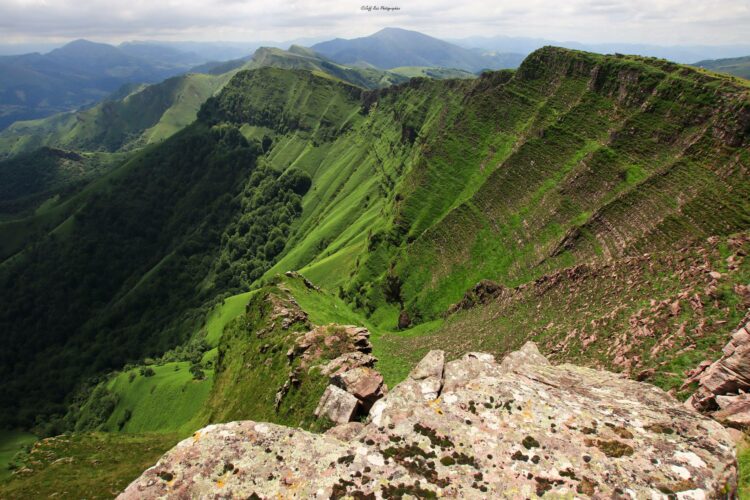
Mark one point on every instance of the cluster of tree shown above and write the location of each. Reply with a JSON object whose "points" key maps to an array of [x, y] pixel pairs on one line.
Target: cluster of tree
{"points": [[253, 241], [28, 179]]}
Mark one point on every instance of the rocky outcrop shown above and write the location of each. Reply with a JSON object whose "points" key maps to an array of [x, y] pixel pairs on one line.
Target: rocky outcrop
{"points": [[484, 429], [722, 385], [308, 284], [354, 384], [404, 321], [285, 312], [482, 293]]}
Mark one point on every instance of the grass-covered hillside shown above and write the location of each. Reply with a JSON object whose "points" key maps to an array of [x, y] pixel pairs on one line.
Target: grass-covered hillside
{"points": [[149, 114], [605, 196], [133, 261], [575, 157], [737, 66]]}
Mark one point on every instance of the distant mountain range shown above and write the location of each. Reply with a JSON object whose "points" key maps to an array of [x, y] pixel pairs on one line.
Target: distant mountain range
{"points": [[79, 74], [737, 66], [678, 53], [395, 47], [82, 73]]}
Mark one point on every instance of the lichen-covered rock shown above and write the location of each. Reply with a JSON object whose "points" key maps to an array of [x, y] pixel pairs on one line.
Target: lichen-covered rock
{"points": [[527, 355], [347, 431], [337, 405], [518, 431]]}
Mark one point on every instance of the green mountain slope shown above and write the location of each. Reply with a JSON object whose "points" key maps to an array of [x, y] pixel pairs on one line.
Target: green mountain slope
{"points": [[198, 205], [513, 175], [737, 66], [149, 114]]}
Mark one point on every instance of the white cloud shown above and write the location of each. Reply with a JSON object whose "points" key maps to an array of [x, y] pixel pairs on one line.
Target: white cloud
{"points": [[646, 21]]}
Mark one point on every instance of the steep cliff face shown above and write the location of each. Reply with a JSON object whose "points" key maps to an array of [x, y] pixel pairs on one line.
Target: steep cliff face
{"points": [[470, 428], [577, 158]]}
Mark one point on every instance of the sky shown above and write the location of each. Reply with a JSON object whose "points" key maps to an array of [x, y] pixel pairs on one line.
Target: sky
{"points": [[662, 22]]}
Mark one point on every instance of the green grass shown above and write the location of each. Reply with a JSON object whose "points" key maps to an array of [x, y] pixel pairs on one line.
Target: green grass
{"points": [[11, 444], [169, 401], [222, 314], [743, 459], [95, 465]]}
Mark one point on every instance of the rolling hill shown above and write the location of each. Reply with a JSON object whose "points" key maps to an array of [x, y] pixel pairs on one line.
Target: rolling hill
{"points": [[151, 113], [78, 74], [395, 47], [594, 191], [737, 66]]}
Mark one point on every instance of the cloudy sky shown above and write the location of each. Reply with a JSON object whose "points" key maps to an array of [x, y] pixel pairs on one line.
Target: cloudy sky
{"points": [[638, 21]]}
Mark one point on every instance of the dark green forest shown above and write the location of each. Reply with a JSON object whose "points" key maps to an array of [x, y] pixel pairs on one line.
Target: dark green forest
{"points": [[134, 270]]}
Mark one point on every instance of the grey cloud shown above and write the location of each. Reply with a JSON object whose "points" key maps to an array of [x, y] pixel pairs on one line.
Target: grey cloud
{"points": [[648, 21]]}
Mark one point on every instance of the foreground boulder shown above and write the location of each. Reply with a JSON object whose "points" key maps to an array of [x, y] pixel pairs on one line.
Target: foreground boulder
{"points": [[488, 431]]}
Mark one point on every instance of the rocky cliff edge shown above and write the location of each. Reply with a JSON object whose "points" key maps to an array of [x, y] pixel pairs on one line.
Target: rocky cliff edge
{"points": [[469, 428]]}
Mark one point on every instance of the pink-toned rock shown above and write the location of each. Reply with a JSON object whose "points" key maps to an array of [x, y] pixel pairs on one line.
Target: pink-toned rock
{"points": [[348, 361], [734, 410], [362, 382], [429, 374], [728, 375], [472, 365], [674, 308], [737, 435], [550, 431], [337, 405], [346, 432], [528, 355]]}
